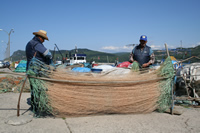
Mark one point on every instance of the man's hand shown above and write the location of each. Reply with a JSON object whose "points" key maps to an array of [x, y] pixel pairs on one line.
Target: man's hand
{"points": [[145, 65]]}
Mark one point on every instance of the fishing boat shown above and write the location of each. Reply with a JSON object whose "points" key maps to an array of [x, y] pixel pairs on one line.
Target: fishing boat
{"points": [[77, 58]]}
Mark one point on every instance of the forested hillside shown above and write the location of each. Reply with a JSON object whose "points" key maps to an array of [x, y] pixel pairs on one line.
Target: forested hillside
{"points": [[179, 53]]}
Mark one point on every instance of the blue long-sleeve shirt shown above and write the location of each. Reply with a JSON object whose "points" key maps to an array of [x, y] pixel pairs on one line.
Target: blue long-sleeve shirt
{"points": [[35, 45]]}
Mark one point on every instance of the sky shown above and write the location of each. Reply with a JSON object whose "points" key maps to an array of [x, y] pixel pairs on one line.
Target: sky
{"points": [[100, 25]]}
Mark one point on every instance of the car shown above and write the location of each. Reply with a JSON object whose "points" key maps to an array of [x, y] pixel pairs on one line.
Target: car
{"points": [[1, 64], [6, 64]]}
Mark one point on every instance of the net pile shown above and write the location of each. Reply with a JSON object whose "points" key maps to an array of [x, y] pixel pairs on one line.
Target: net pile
{"points": [[21, 67], [41, 102], [103, 95], [77, 94], [12, 83]]}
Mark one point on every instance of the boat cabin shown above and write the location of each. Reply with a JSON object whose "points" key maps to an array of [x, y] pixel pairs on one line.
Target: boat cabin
{"points": [[77, 58]]}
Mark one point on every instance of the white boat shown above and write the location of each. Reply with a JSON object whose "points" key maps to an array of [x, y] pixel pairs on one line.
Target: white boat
{"points": [[77, 59]]}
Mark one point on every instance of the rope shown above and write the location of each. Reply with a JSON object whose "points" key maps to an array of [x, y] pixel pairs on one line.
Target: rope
{"points": [[91, 82], [19, 74], [99, 82], [187, 59]]}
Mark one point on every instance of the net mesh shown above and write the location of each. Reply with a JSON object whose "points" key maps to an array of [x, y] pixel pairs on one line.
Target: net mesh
{"points": [[103, 95], [79, 94], [41, 102], [167, 71], [21, 67]]}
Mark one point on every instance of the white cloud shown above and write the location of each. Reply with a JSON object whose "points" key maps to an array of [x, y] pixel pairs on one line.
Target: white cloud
{"points": [[171, 47], [110, 48], [117, 49], [160, 47], [155, 47], [128, 48]]}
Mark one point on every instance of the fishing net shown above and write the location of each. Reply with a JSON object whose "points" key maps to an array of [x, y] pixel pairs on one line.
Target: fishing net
{"points": [[40, 100], [166, 71], [21, 67], [135, 66], [11, 83], [65, 93]]}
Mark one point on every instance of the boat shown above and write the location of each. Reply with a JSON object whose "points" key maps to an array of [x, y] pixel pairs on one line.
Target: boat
{"points": [[77, 59]]}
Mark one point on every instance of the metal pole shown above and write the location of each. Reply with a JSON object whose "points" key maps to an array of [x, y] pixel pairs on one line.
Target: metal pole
{"points": [[60, 53], [8, 44], [167, 49], [172, 98], [53, 53], [8, 47], [181, 44], [3, 47]]}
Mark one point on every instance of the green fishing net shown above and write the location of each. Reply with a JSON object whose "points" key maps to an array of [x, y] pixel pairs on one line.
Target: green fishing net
{"points": [[40, 102], [167, 72], [135, 66]]}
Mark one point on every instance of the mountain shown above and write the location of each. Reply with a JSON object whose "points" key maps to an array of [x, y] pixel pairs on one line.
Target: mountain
{"points": [[180, 54], [98, 57], [18, 55]]}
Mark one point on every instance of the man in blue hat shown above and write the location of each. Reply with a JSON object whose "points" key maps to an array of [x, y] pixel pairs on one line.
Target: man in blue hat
{"points": [[142, 53]]}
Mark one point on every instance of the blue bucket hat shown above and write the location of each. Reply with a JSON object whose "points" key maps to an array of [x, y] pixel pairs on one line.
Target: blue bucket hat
{"points": [[143, 37]]}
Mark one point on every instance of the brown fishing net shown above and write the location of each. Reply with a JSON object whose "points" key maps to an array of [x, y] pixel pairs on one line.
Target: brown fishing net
{"points": [[77, 94], [63, 93]]}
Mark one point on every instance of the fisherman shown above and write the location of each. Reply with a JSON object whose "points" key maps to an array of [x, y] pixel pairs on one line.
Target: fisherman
{"points": [[35, 45], [142, 53]]}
